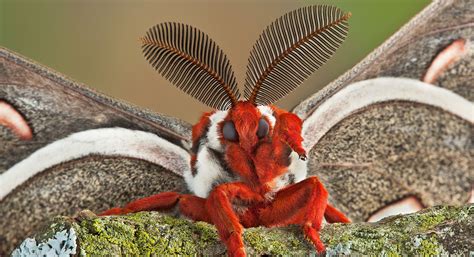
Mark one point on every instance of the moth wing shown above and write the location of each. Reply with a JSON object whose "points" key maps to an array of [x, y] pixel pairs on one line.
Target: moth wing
{"points": [[87, 151], [409, 52], [378, 142]]}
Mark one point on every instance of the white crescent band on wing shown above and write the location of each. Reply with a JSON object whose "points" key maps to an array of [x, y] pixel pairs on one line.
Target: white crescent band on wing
{"points": [[407, 205], [368, 92], [104, 141]]}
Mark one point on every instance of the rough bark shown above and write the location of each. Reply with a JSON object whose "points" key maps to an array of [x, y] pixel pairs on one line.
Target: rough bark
{"points": [[434, 231]]}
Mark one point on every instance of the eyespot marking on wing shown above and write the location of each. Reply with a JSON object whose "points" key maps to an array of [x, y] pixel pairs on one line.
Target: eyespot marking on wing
{"points": [[12, 119], [405, 206], [449, 55]]}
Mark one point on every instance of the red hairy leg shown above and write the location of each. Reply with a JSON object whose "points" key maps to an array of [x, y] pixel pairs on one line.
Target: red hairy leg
{"points": [[303, 203], [194, 207], [333, 215], [288, 130], [162, 201], [223, 216], [190, 206]]}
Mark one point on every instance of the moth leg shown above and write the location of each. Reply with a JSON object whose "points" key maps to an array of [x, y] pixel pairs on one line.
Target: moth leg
{"points": [[194, 207], [288, 131], [304, 204], [11, 118], [334, 215], [190, 206], [223, 216]]}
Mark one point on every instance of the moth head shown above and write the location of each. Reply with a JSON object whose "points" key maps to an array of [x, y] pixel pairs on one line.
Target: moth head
{"points": [[246, 125], [287, 52]]}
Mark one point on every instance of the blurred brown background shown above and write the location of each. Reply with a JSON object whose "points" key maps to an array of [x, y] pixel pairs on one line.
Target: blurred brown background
{"points": [[96, 42]]}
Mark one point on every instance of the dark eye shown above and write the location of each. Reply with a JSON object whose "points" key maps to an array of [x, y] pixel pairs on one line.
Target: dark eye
{"points": [[262, 128], [229, 131]]}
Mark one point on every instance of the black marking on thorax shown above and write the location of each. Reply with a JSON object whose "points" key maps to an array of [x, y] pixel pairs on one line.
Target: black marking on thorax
{"points": [[202, 140], [193, 170], [291, 178], [219, 158]]}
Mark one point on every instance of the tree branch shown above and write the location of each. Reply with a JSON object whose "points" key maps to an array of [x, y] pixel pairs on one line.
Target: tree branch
{"points": [[434, 231]]}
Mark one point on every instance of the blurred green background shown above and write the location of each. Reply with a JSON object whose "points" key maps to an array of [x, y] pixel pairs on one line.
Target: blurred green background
{"points": [[96, 41]]}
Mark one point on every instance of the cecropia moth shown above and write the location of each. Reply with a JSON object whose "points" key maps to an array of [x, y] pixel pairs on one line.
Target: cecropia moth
{"points": [[375, 143]]}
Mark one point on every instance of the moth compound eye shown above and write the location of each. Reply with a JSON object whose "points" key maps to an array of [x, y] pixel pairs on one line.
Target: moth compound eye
{"points": [[229, 132], [262, 128]]}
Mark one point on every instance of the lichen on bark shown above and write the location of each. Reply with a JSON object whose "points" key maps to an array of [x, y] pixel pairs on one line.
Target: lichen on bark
{"points": [[433, 231]]}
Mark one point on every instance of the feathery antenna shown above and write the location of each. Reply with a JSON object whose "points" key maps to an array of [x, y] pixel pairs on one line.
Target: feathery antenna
{"points": [[292, 48], [189, 59]]}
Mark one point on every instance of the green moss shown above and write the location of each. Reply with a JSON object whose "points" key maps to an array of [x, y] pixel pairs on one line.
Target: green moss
{"points": [[207, 233], [255, 239], [430, 219], [136, 234], [112, 236], [429, 247], [361, 239], [266, 241], [57, 224], [152, 233], [397, 235]]}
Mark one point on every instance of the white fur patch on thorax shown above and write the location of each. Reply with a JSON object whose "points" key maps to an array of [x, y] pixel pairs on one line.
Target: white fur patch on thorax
{"points": [[298, 167], [266, 111], [208, 171], [297, 171], [213, 138]]}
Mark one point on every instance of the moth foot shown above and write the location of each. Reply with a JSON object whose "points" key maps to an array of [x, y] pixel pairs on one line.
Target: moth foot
{"points": [[84, 215], [303, 157]]}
